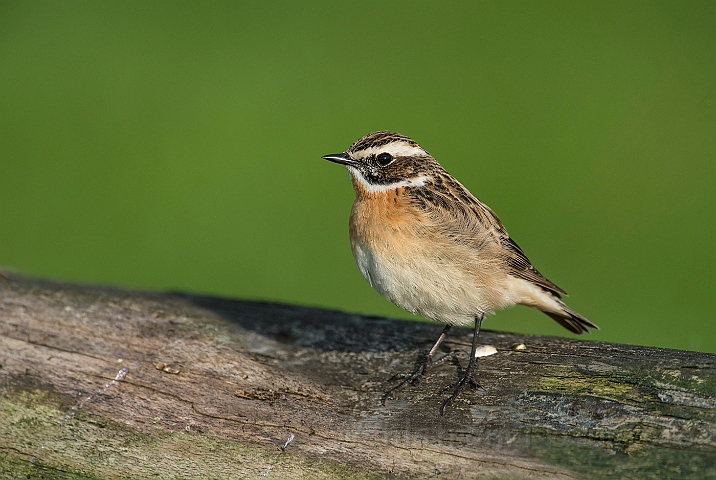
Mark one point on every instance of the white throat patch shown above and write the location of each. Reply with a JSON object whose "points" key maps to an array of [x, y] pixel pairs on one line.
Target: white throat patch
{"points": [[372, 188]]}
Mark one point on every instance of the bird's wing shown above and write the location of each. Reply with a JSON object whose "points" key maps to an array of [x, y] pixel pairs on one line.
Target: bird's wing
{"points": [[464, 219], [520, 266]]}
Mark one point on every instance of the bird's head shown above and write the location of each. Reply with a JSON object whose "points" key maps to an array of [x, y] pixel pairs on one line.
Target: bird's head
{"points": [[384, 160]]}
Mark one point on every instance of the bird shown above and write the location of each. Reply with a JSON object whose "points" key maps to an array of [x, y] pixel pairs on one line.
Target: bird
{"points": [[428, 245]]}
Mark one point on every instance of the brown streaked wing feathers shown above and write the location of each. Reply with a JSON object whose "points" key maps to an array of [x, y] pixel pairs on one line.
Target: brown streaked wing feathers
{"points": [[520, 267], [571, 320], [452, 206]]}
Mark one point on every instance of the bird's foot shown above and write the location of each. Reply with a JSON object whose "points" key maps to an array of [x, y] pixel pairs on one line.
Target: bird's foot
{"points": [[465, 381], [421, 367]]}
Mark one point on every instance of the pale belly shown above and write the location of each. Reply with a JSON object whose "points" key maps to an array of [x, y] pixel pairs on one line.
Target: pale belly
{"points": [[440, 284], [409, 261]]}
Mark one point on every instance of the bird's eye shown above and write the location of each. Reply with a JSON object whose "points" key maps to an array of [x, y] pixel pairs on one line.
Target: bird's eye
{"points": [[384, 159]]}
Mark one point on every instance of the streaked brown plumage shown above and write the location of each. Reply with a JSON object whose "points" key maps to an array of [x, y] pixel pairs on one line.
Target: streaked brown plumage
{"points": [[423, 241]]}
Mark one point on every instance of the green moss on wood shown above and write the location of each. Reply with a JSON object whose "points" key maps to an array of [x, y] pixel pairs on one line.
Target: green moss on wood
{"points": [[37, 441], [602, 460], [569, 381]]}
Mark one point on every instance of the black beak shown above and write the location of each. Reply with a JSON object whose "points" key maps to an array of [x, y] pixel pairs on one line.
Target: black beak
{"points": [[341, 158]]}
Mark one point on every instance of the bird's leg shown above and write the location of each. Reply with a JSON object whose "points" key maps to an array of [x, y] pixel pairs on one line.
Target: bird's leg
{"points": [[420, 367], [467, 379]]}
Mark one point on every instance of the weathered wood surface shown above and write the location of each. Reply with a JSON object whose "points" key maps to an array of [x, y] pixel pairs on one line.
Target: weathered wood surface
{"points": [[251, 374]]}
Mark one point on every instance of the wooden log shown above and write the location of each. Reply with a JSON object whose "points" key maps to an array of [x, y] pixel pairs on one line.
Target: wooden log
{"points": [[109, 383]]}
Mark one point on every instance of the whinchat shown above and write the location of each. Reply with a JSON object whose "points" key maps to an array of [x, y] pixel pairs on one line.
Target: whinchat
{"points": [[425, 243]]}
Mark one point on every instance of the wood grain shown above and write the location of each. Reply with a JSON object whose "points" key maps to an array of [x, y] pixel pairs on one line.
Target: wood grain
{"points": [[107, 383]]}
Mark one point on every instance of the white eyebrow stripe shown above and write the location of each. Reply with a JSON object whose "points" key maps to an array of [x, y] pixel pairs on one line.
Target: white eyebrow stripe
{"points": [[396, 149], [379, 188]]}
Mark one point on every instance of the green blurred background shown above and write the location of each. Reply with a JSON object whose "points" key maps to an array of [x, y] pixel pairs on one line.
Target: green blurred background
{"points": [[176, 145]]}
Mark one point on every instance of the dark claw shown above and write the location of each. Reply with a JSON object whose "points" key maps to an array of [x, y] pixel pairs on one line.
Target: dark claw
{"points": [[413, 378], [424, 362], [464, 381]]}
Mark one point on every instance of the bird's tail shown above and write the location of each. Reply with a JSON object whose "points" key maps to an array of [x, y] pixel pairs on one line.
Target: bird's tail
{"points": [[570, 319]]}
